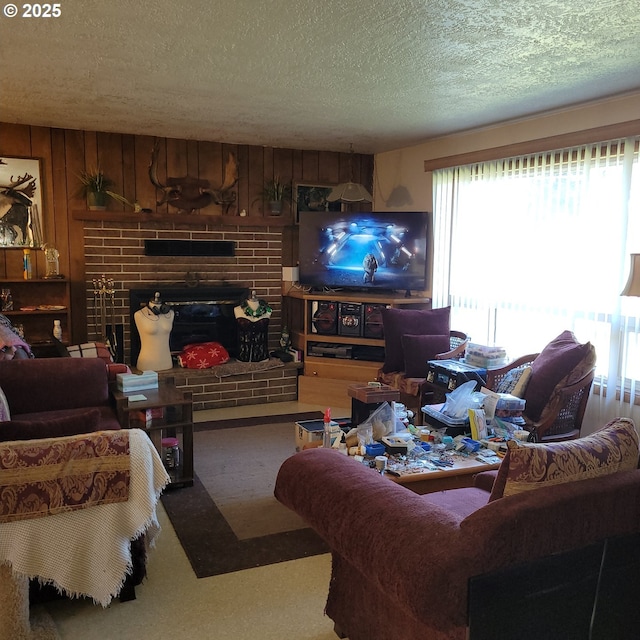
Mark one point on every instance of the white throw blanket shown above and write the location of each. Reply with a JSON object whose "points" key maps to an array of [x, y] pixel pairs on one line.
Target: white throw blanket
{"points": [[87, 552]]}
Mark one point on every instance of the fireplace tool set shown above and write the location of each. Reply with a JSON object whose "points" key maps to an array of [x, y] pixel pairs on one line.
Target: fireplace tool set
{"points": [[104, 307]]}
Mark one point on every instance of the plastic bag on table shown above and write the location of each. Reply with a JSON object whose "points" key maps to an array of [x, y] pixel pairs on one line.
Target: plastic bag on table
{"points": [[382, 422], [461, 399], [365, 434]]}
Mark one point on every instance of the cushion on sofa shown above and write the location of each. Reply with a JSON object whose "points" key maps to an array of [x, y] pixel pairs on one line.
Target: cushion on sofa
{"points": [[530, 466], [51, 384], [563, 359], [90, 350], [50, 428], [413, 322], [418, 349], [515, 381]]}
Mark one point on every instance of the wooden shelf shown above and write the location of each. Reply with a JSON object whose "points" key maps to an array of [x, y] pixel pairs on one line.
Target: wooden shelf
{"points": [[177, 218], [372, 297], [327, 379], [176, 407], [38, 323]]}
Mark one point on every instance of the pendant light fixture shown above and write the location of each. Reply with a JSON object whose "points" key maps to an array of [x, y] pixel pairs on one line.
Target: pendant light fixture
{"points": [[350, 191]]}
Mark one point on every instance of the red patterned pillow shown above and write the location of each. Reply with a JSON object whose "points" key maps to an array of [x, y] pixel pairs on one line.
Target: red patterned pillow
{"points": [[203, 355]]}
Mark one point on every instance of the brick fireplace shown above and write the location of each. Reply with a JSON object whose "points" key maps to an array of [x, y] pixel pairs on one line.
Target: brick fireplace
{"points": [[201, 314], [116, 249]]}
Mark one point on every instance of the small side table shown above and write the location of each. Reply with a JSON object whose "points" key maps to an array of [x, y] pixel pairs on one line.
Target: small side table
{"points": [[365, 399], [166, 411]]}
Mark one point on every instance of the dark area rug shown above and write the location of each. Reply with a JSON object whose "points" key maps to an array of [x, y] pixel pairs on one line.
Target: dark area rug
{"points": [[207, 539], [231, 423]]}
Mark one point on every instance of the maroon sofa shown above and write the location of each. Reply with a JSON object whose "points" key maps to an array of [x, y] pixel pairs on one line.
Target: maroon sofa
{"points": [[402, 562], [52, 397]]}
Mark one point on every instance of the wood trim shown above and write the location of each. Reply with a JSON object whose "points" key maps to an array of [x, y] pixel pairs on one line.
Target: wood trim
{"points": [[550, 143], [176, 218]]}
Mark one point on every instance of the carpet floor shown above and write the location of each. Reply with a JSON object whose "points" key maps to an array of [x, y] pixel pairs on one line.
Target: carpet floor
{"points": [[229, 520]]}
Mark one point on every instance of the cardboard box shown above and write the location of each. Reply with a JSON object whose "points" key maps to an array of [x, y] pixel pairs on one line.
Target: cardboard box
{"points": [[309, 432], [369, 394]]}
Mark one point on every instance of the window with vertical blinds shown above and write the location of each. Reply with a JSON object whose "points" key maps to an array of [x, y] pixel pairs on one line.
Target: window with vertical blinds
{"points": [[528, 246]]}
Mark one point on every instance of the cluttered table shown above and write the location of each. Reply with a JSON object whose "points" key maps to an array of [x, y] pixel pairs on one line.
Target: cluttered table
{"points": [[429, 477]]}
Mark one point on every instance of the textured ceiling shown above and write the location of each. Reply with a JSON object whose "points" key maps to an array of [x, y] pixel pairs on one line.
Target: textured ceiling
{"points": [[312, 74]]}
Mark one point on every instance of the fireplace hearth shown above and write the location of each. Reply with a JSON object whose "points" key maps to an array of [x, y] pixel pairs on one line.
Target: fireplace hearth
{"points": [[201, 314]]}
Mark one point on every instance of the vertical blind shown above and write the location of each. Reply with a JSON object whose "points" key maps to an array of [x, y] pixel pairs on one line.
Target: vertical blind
{"points": [[529, 246]]}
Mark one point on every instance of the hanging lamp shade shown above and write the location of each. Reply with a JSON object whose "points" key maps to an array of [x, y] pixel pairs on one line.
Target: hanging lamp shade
{"points": [[349, 192], [632, 288]]}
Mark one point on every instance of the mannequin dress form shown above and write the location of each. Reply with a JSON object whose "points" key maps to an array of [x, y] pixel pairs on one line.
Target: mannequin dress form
{"points": [[154, 322], [252, 316]]}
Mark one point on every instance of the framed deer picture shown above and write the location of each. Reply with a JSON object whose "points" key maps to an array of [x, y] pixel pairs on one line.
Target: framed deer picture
{"points": [[20, 202]]}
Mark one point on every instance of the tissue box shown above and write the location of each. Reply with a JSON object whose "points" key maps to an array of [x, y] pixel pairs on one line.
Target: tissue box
{"points": [[127, 382]]}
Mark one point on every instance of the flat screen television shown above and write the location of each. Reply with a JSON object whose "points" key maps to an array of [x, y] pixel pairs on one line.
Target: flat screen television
{"points": [[384, 251]]}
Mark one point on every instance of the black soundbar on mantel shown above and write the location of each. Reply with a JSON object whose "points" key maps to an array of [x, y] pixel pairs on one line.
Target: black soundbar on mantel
{"points": [[213, 248]]}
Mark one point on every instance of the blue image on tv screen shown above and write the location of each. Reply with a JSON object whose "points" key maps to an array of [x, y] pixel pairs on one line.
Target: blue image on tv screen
{"points": [[385, 250]]}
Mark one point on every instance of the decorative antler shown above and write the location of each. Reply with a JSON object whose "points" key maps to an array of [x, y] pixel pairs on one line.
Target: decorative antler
{"points": [[153, 165], [20, 180], [28, 190], [221, 195], [189, 194], [13, 185]]}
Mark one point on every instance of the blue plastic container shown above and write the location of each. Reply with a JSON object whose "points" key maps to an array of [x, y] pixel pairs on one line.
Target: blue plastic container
{"points": [[375, 449]]}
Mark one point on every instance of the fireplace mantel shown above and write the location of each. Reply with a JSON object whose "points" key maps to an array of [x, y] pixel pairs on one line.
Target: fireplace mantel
{"points": [[177, 218]]}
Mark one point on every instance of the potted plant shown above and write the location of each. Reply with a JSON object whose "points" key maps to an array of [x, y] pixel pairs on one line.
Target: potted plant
{"points": [[275, 193], [94, 186]]}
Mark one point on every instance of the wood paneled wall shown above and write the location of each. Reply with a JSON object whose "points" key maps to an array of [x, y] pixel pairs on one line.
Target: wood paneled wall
{"points": [[125, 159]]}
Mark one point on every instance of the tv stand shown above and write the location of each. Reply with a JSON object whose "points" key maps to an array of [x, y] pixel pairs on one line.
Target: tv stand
{"points": [[338, 362]]}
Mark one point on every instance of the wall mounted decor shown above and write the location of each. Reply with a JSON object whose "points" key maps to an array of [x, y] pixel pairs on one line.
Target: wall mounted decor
{"points": [[20, 202], [189, 194], [313, 197]]}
